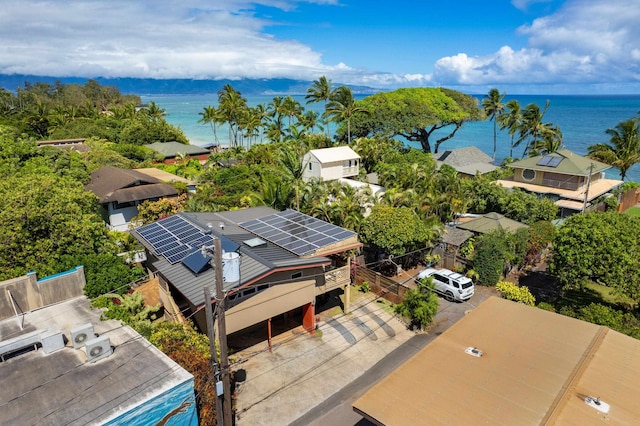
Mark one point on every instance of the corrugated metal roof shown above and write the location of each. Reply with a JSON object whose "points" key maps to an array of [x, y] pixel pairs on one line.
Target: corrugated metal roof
{"points": [[332, 155], [537, 367]]}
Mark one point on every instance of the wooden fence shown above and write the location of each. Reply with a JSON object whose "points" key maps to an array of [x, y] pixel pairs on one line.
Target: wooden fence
{"points": [[391, 290]]}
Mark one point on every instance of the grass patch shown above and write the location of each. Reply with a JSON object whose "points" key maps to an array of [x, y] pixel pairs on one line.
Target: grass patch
{"points": [[633, 211], [386, 305], [595, 293], [609, 296]]}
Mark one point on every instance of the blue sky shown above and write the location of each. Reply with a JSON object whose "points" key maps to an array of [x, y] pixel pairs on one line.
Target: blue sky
{"points": [[519, 46]]}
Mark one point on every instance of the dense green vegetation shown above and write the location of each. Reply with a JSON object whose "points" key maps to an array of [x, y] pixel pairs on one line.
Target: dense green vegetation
{"points": [[49, 223]]}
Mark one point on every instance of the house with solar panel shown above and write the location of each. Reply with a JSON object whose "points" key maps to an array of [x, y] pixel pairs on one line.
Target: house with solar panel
{"points": [[573, 182], [274, 264], [120, 191]]}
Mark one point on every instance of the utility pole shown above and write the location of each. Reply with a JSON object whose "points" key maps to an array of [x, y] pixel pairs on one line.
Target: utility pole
{"points": [[222, 333], [224, 412], [212, 350], [586, 191]]}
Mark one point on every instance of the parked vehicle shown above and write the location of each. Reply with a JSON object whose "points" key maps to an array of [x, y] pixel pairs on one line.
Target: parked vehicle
{"points": [[451, 285]]}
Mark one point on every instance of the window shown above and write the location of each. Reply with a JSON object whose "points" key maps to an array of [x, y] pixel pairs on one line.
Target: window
{"points": [[441, 278], [528, 174], [296, 275], [309, 166]]}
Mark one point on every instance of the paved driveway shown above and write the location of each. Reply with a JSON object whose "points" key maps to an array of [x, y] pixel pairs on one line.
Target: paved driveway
{"points": [[306, 378]]}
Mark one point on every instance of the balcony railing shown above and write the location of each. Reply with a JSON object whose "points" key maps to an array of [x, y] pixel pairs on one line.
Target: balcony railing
{"points": [[337, 277], [350, 171]]}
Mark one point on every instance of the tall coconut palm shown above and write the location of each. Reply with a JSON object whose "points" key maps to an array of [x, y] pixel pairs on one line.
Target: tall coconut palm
{"points": [[551, 141], [494, 108], [211, 117], [231, 104], [320, 91], [532, 125], [343, 107], [310, 121], [291, 108], [623, 149], [275, 111], [511, 120]]}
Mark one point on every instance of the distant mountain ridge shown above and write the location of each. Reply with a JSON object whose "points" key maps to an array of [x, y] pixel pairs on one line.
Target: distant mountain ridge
{"points": [[149, 86]]}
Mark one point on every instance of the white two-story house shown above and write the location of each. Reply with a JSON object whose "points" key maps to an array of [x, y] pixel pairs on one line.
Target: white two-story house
{"points": [[330, 163]]}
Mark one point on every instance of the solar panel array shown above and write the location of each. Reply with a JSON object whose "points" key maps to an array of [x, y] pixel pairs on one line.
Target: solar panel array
{"points": [[297, 232], [174, 237], [549, 161]]}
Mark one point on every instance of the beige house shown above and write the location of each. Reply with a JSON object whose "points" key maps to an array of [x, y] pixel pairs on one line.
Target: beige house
{"points": [[511, 364], [330, 163], [571, 180]]}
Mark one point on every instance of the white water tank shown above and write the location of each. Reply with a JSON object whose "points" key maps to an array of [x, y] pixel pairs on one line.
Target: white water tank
{"points": [[230, 267]]}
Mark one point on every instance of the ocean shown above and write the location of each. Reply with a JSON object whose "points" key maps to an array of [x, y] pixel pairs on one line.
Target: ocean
{"points": [[583, 121]]}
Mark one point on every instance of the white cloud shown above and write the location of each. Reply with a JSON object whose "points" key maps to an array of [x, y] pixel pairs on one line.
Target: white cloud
{"points": [[160, 39], [524, 4], [586, 41]]}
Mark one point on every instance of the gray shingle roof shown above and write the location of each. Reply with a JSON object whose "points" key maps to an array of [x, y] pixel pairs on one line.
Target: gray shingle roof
{"points": [[122, 185], [468, 160]]}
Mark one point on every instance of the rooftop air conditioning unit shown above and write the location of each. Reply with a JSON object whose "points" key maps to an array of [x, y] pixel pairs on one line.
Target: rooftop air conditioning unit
{"points": [[80, 335], [52, 341], [98, 348]]}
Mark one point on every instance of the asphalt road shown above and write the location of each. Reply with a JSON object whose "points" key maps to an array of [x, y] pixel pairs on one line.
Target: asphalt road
{"points": [[338, 411]]}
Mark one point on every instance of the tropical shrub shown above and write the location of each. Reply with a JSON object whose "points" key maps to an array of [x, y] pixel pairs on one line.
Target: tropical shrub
{"points": [[489, 259], [190, 349], [420, 305], [128, 308], [516, 293], [599, 247]]}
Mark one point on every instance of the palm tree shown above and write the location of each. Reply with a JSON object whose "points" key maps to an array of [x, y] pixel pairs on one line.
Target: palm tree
{"points": [[532, 125], [154, 112], [291, 108], [511, 120], [343, 107], [211, 117], [494, 108], [623, 150], [230, 107], [551, 141], [310, 121], [275, 111], [293, 168], [320, 91]]}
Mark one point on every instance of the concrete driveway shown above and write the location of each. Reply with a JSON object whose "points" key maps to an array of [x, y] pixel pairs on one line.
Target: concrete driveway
{"points": [[301, 380]]}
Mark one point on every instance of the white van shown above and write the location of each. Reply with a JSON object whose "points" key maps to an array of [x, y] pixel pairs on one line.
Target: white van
{"points": [[451, 285]]}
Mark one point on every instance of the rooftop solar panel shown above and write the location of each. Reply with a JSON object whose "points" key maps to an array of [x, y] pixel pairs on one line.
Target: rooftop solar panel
{"points": [[549, 161], [296, 232], [175, 237], [196, 261]]}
